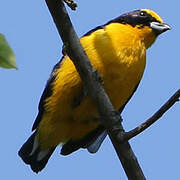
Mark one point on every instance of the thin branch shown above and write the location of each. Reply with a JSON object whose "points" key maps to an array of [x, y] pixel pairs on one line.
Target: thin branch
{"points": [[92, 81], [171, 101], [71, 3]]}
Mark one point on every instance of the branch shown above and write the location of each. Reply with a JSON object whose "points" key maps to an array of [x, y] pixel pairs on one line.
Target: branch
{"points": [[171, 101], [71, 3], [92, 81]]}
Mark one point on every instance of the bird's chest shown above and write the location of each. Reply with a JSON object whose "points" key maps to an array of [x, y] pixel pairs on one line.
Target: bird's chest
{"points": [[123, 74]]}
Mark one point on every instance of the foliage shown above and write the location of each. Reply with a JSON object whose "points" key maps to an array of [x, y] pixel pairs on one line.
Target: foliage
{"points": [[7, 57]]}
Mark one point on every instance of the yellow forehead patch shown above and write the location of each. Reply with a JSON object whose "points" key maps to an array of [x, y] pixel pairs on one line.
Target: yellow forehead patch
{"points": [[153, 14]]}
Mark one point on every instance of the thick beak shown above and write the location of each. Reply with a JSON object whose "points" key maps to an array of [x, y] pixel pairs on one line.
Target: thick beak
{"points": [[159, 27]]}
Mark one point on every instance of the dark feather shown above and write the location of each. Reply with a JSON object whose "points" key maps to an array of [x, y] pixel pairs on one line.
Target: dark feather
{"points": [[46, 93], [73, 145], [32, 159]]}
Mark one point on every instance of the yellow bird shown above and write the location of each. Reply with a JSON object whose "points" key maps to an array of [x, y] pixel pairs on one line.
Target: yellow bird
{"points": [[67, 115]]}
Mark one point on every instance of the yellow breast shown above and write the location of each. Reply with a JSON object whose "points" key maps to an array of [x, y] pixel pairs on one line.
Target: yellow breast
{"points": [[119, 55]]}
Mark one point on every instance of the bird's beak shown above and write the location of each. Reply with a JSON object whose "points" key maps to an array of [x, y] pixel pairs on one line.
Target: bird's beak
{"points": [[159, 27]]}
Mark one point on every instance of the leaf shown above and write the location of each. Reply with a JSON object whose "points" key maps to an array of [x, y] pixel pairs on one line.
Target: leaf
{"points": [[7, 57]]}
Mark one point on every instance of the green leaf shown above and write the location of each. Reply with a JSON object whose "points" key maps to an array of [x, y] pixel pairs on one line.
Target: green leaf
{"points": [[7, 57]]}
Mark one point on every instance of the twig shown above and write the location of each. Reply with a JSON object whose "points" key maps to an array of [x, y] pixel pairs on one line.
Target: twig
{"points": [[71, 3], [109, 117], [128, 135]]}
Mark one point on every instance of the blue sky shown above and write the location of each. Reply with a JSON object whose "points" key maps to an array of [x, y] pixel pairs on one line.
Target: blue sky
{"points": [[31, 32]]}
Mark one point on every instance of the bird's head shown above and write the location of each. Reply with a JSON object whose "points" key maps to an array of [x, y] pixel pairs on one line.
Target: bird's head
{"points": [[146, 23]]}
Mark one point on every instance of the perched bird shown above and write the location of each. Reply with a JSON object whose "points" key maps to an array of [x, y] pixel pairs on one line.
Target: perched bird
{"points": [[67, 115]]}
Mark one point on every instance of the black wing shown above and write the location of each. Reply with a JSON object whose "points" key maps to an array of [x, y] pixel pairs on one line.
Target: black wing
{"points": [[46, 93]]}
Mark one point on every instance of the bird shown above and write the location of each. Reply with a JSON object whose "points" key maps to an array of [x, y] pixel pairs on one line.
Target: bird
{"points": [[67, 116]]}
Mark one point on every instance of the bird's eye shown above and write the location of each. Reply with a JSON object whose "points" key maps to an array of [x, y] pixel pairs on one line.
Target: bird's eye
{"points": [[142, 13]]}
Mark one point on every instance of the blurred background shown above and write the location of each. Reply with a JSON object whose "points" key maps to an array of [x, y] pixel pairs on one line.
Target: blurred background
{"points": [[30, 31]]}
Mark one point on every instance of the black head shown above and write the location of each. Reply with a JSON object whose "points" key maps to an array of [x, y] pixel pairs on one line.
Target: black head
{"points": [[134, 18], [141, 18]]}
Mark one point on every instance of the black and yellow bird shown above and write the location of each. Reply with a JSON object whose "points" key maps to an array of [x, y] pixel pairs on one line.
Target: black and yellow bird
{"points": [[67, 115]]}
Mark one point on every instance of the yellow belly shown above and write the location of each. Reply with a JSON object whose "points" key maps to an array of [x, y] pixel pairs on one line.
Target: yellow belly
{"points": [[121, 69]]}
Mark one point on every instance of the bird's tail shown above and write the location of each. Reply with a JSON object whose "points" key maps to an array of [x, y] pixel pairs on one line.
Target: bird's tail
{"points": [[31, 154]]}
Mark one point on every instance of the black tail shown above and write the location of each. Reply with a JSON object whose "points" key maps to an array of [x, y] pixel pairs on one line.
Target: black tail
{"points": [[31, 154], [91, 141]]}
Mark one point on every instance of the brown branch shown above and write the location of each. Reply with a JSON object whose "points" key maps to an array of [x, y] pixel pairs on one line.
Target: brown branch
{"points": [[171, 101], [92, 81]]}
